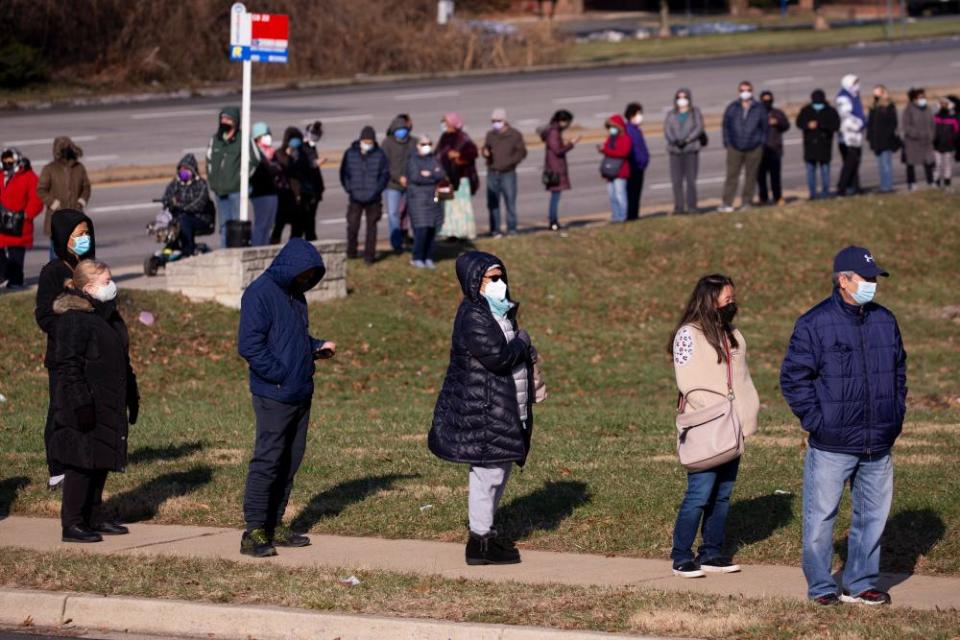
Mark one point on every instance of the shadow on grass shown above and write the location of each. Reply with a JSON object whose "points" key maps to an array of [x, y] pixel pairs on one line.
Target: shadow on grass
{"points": [[330, 503], [143, 502], [168, 452], [755, 520], [9, 488], [543, 510]]}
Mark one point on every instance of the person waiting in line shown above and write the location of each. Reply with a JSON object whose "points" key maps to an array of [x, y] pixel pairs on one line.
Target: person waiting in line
{"points": [[18, 195], [64, 184], [744, 134], [882, 135], [96, 399], [639, 159], [853, 122], [710, 363], [484, 413], [772, 161], [264, 191], [223, 167], [187, 198], [422, 180], [946, 142], [918, 127], [313, 186], [685, 134], [294, 196], [556, 173], [364, 174], [73, 240], [398, 145], [458, 155], [819, 122], [504, 150], [615, 168]]}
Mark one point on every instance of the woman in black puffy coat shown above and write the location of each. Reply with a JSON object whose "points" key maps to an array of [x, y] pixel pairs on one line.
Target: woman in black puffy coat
{"points": [[484, 414]]}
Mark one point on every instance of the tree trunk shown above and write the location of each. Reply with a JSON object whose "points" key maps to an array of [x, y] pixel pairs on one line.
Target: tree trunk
{"points": [[664, 19], [739, 7]]}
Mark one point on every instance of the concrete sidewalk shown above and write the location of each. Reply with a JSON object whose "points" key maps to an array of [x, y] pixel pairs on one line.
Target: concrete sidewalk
{"points": [[446, 559]]}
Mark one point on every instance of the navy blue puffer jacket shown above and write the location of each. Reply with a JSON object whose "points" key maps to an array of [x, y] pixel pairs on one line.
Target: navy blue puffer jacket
{"points": [[274, 336], [845, 377], [364, 176], [477, 418]]}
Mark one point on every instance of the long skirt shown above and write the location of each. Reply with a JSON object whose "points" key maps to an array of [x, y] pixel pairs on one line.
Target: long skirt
{"points": [[458, 220]]}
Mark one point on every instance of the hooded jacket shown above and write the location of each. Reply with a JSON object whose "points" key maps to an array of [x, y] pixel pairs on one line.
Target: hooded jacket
{"points": [[845, 377], [297, 169], [364, 176], [55, 273], [683, 134], [192, 197], [274, 334], [852, 118], [422, 205], [398, 151], [818, 142], [223, 157], [555, 156], [477, 416], [619, 146], [18, 193], [947, 132], [95, 385], [63, 183], [775, 132]]}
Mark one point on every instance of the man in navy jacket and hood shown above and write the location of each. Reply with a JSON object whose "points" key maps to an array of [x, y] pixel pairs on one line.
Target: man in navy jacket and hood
{"points": [[274, 339], [845, 377]]}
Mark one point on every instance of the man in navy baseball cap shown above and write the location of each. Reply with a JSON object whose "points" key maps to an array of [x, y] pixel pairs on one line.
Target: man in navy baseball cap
{"points": [[859, 260]]}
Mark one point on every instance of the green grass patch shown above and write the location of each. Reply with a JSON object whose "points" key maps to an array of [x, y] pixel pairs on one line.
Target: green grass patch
{"points": [[600, 305]]}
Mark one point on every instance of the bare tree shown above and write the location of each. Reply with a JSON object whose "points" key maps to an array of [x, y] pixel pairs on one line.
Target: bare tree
{"points": [[664, 19]]}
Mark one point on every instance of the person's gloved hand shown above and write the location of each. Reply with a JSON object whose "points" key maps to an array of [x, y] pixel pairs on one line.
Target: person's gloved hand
{"points": [[534, 356], [55, 205], [523, 337], [86, 417]]}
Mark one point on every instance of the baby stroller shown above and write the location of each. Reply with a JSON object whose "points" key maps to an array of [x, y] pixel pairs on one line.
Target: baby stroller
{"points": [[166, 229]]}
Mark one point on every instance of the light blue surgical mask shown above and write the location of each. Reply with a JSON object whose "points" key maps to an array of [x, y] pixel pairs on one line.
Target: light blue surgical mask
{"points": [[865, 292], [818, 106], [613, 131], [496, 296], [81, 245], [295, 143], [401, 133]]}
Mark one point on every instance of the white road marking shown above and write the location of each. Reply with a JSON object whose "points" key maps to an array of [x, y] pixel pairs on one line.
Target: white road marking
{"points": [[427, 95], [646, 77], [580, 99], [955, 64], [331, 221], [778, 82], [833, 62], [529, 122], [155, 115], [194, 150], [126, 207], [42, 141], [332, 119], [102, 158], [700, 181], [793, 141]]}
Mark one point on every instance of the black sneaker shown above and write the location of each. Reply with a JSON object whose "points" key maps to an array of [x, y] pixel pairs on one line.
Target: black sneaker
{"points": [[110, 529], [871, 597], [829, 600], [488, 549], [257, 543], [284, 536], [79, 533], [688, 569], [719, 565]]}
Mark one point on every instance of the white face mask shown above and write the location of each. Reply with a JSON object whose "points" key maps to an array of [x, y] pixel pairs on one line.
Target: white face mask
{"points": [[497, 126], [424, 149], [496, 290], [921, 102], [746, 95], [637, 119], [266, 140], [105, 293], [365, 147], [683, 102]]}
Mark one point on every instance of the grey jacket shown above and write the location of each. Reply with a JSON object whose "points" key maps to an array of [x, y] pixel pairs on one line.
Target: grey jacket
{"points": [[397, 153], [683, 137], [917, 127]]}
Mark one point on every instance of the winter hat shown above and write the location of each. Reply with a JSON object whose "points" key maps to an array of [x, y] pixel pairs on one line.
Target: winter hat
{"points": [[454, 120], [499, 114], [818, 96], [259, 129], [368, 133], [849, 81]]}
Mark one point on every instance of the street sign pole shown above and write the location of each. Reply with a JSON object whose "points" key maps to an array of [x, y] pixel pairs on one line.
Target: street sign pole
{"points": [[245, 143]]}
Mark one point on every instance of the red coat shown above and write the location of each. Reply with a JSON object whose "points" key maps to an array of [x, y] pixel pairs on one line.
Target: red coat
{"points": [[20, 194], [619, 146]]}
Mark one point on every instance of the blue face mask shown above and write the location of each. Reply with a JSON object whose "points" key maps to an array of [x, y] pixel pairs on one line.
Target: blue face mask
{"points": [[818, 106], [81, 245], [865, 292], [401, 133], [496, 296], [295, 143]]}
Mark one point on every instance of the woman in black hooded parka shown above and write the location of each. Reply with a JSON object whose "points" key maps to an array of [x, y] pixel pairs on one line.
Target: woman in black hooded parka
{"points": [[483, 415]]}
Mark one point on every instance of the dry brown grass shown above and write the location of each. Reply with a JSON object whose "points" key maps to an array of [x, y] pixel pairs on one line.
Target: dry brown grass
{"points": [[702, 625]]}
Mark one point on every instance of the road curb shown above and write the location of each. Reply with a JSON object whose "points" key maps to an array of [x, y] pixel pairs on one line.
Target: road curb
{"points": [[24, 607]]}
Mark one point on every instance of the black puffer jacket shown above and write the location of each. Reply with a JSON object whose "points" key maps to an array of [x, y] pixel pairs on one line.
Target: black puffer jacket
{"points": [[477, 418], [190, 197], [95, 384]]}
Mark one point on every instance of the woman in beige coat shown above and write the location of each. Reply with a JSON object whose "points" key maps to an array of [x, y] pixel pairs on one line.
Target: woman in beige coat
{"points": [[702, 344]]}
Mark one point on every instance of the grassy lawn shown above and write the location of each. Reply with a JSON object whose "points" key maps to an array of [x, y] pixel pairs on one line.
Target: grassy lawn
{"points": [[602, 477], [751, 42], [629, 609]]}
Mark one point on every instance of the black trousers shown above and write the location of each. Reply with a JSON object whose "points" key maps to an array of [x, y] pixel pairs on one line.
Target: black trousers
{"points": [[770, 167], [912, 173], [11, 265], [54, 468], [277, 454], [308, 216], [355, 213], [850, 172], [82, 494], [634, 191]]}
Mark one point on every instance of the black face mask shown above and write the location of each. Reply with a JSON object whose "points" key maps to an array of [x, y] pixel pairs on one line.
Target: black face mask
{"points": [[8, 167], [727, 312], [225, 129], [70, 154]]}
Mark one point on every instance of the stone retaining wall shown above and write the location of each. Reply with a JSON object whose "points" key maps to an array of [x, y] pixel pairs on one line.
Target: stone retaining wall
{"points": [[223, 275]]}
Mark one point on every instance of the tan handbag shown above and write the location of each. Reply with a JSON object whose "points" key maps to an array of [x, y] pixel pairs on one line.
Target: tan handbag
{"points": [[711, 436]]}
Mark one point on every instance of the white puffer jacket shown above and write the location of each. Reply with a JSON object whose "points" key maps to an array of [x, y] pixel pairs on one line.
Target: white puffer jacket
{"points": [[519, 371]]}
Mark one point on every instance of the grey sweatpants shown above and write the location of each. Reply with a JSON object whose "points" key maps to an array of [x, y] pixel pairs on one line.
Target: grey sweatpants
{"points": [[749, 163], [486, 488], [683, 175]]}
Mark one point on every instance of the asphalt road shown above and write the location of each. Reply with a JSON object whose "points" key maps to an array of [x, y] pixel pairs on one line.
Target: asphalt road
{"points": [[160, 132]]}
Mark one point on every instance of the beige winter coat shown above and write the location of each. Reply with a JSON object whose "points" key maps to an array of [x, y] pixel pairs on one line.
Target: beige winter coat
{"points": [[696, 367]]}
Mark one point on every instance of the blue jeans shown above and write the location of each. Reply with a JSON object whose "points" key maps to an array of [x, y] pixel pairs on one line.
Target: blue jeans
{"points": [[423, 242], [617, 190], [871, 482], [228, 208], [554, 211], [264, 219], [394, 198], [504, 184], [885, 169], [707, 498], [824, 169]]}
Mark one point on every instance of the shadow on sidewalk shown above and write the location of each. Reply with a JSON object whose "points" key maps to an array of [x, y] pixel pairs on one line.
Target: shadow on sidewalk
{"points": [[333, 501], [168, 452], [544, 509], [143, 502], [9, 488], [755, 520]]}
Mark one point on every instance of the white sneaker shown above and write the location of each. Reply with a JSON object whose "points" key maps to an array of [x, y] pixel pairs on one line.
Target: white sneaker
{"points": [[54, 482], [724, 209], [418, 264], [430, 264]]}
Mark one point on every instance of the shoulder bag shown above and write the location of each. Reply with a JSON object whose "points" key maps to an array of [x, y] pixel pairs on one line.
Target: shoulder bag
{"points": [[11, 222], [610, 167], [711, 436]]}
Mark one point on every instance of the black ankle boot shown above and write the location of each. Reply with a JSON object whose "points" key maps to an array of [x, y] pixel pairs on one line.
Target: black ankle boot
{"points": [[79, 533], [488, 549], [109, 528]]}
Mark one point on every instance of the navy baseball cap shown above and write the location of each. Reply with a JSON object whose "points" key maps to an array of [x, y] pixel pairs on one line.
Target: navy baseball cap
{"points": [[860, 261]]}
